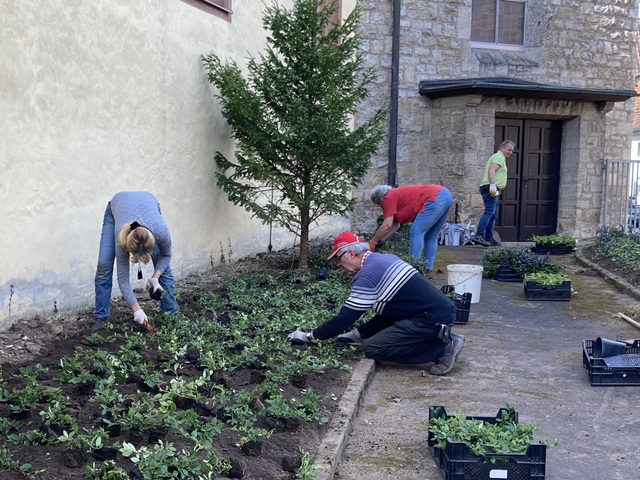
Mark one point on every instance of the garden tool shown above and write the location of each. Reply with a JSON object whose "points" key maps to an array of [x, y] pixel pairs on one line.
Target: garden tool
{"points": [[148, 324]]}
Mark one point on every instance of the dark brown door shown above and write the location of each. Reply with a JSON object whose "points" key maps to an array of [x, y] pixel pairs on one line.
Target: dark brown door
{"points": [[529, 203]]}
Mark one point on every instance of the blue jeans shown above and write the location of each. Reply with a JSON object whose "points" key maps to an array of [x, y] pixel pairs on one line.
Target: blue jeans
{"points": [[408, 341], [426, 228], [488, 218], [104, 273]]}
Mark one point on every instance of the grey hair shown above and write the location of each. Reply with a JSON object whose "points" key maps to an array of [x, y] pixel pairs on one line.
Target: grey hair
{"points": [[508, 142], [378, 193], [357, 248]]}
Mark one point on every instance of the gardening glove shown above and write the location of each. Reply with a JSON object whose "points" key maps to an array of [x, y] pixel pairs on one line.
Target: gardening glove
{"points": [[372, 246], [349, 337], [298, 337], [140, 317], [155, 290], [493, 190]]}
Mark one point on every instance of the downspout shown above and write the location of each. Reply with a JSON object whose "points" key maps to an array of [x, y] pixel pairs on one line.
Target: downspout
{"points": [[395, 73]]}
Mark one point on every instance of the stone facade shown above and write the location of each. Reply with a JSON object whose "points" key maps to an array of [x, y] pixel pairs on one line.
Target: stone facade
{"points": [[578, 44]]}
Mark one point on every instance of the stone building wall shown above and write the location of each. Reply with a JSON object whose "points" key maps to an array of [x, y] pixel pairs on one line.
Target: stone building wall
{"points": [[567, 44]]}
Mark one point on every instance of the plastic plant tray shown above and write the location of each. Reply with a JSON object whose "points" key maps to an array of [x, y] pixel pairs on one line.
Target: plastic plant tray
{"points": [[612, 371], [462, 303], [508, 274], [535, 291], [457, 462], [555, 250]]}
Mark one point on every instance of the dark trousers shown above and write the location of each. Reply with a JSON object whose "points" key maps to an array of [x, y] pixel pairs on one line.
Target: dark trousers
{"points": [[408, 341]]}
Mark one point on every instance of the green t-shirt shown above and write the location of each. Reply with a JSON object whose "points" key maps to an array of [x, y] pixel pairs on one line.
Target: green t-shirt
{"points": [[501, 173]]}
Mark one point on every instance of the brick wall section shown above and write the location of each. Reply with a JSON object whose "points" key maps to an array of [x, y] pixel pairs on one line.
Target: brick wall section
{"points": [[568, 43]]}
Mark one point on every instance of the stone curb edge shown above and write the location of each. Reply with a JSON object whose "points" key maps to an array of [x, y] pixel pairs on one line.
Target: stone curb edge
{"points": [[333, 443], [618, 282]]}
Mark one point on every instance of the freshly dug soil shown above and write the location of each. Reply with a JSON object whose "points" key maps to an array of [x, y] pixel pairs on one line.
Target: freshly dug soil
{"points": [[47, 341]]}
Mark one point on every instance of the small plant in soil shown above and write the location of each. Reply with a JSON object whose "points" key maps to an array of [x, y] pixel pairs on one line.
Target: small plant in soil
{"points": [[107, 470]]}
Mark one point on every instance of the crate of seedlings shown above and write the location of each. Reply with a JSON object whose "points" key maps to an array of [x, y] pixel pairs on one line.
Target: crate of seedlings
{"points": [[473, 448], [620, 369], [461, 301], [543, 286]]}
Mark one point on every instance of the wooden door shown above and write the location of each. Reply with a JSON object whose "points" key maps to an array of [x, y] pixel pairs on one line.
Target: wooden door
{"points": [[529, 203]]}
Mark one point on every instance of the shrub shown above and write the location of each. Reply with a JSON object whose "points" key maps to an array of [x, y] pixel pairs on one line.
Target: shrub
{"points": [[623, 248], [520, 259]]}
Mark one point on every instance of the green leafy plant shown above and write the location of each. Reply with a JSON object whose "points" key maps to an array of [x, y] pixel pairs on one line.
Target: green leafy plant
{"points": [[58, 414], [623, 249], [307, 470], [554, 240], [546, 279], [520, 259], [108, 470], [162, 461], [506, 435]]}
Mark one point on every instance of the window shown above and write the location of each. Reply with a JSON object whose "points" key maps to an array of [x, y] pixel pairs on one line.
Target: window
{"points": [[219, 8], [498, 22]]}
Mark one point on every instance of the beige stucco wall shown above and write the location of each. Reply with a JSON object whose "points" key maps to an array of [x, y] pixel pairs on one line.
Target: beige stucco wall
{"points": [[100, 97]]}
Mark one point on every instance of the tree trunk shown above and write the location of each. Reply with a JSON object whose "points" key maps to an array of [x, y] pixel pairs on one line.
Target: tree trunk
{"points": [[304, 239]]}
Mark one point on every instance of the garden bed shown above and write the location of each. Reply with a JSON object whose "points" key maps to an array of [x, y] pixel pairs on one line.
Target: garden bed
{"points": [[213, 379]]}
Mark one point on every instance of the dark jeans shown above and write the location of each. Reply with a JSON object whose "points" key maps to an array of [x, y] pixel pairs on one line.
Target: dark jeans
{"points": [[488, 218], [408, 341]]}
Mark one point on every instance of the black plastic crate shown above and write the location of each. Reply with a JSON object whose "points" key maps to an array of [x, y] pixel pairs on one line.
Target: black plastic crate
{"points": [[555, 250], [601, 374], [457, 462], [508, 274], [535, 291], [462, 303]]}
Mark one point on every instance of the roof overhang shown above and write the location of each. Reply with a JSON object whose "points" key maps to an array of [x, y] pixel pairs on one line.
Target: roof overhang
{"points": [[508, 87]]}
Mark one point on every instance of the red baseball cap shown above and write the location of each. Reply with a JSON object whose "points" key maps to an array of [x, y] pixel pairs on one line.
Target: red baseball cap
{"points": [[344, 240]]}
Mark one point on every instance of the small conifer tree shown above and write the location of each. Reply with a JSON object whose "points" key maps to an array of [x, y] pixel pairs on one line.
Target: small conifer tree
{"points": [[297, 156]]}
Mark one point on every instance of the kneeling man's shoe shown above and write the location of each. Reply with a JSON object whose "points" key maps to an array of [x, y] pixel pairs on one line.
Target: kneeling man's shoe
{"points": [[448, 359]]}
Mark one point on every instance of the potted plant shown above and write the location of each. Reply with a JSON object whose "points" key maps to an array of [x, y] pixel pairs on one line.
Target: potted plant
{"points": [[554, 244], [547, 286]]}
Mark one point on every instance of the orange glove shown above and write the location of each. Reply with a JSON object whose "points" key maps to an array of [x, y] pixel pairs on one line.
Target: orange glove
{"points": [[372, 246]]}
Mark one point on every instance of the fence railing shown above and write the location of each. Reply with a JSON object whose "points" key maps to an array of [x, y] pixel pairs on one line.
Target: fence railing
{"points": [[621, 192]]}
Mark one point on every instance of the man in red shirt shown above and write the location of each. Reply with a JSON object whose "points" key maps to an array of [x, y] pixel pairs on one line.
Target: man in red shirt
{"points": [[426, 207]]}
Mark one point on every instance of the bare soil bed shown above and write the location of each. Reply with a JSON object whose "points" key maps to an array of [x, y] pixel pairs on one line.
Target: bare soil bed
{"points": [[46, 342]]}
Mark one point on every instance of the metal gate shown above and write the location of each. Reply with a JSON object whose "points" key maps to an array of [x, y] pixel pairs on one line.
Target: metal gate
{"points": [[621, 192]]}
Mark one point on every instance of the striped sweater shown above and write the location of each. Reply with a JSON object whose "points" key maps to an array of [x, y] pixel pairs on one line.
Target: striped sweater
{"points": [[394, 290]]}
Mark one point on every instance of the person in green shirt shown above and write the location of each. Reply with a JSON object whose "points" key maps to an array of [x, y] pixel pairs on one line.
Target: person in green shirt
{"points": [[493, 182]]}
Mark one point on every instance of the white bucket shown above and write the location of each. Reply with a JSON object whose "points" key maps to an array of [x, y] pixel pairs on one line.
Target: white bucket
{"points": [[455, 238], [465, 278]]}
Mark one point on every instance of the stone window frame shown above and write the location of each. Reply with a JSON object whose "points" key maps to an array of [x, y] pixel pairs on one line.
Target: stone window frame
{"points": [[481, 37], [218, 8]]}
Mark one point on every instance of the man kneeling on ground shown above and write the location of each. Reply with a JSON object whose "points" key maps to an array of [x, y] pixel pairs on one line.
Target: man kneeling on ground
{"points": [[413, 319]]}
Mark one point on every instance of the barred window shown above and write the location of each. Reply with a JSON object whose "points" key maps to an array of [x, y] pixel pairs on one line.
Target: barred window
{"points": [[498, 22]]}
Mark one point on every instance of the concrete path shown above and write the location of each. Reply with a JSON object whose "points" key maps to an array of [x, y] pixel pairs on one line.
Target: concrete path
{"points": [[526, 354]]}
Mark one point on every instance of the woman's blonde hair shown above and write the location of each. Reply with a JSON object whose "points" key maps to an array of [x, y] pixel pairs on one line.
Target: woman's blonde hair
{"points": [[138, 241]]}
